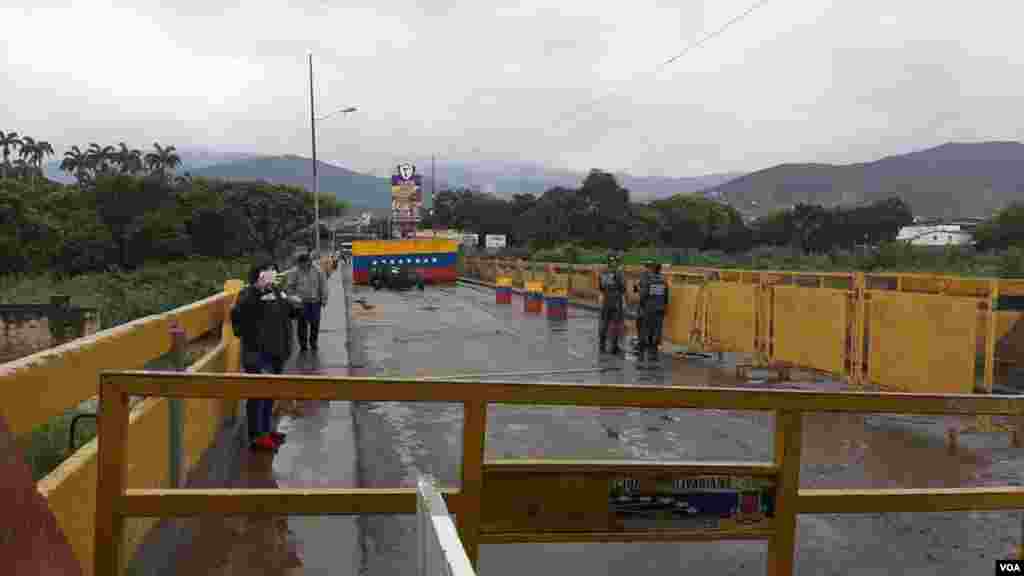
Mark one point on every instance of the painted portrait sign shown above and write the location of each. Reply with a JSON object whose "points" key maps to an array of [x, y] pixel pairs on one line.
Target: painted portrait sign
{"points": [[406, 196]]}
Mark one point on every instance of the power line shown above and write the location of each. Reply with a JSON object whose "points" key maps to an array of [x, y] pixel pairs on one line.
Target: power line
{"points": [[692, 46]]}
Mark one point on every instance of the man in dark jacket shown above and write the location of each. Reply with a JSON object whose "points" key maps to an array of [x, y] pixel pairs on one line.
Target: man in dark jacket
{"points": [[613, 290], [262, 319]]}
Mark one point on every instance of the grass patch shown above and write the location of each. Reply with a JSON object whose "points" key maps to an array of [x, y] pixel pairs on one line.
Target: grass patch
{"points": [[125, 296], [120, 297]]}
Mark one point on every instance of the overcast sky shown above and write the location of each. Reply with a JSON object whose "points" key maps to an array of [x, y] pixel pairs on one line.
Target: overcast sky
{"points": [[796, 81]]}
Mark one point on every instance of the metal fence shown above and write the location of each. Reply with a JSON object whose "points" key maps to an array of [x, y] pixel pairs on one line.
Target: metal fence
{"points": [[439, 547]]}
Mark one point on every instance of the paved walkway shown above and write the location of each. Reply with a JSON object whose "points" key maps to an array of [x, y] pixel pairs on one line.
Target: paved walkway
{"points": [[320, 452]]}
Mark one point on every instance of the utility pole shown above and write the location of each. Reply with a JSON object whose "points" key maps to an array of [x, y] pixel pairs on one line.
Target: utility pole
{"points": [[316, 182], [433, 193]]}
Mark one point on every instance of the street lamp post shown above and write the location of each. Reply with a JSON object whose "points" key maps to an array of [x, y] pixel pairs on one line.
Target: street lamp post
{"points": [[316, 176]]}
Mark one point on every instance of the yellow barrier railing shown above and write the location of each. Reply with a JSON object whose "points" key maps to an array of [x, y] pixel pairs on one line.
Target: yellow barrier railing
{"points": [[46, 384], [889, 330], [484, 498]]}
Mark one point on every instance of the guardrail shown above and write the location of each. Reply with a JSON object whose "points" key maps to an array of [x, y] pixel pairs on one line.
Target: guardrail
{"points": [[489, 506], [900, 332], [439, 549], [164, 442]]}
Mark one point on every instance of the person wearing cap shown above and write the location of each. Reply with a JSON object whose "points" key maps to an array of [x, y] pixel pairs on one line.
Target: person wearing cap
{"points": [[613, 291], [309, 284], [653, 304], [262, 320]]}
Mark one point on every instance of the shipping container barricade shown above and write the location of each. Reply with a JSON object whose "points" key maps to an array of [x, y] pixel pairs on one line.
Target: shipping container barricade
{"points": [[544, 501]]}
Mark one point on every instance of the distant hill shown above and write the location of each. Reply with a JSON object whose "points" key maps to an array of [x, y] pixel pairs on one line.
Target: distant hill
{"points": [[508, 178], [951, 180], [360, 190]]}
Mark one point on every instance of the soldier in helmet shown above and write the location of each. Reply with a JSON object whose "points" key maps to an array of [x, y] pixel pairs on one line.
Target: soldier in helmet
{"points": [[653, 303], [613, 290]]}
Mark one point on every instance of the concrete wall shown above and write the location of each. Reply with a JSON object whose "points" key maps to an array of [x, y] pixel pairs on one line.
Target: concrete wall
{"points": [[29, 328]]}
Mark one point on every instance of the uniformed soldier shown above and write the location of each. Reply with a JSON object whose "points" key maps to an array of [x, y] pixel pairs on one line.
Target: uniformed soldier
{"points": [[639, 348], [653, 303], [613, 289]]}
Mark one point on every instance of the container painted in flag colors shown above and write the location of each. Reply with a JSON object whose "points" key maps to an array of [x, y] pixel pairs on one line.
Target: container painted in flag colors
{"points": [[503, 294], [556, 300], [534, 301], [433, 258]]}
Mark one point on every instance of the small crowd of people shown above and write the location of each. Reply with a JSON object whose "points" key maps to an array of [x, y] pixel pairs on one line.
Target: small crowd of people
{"points": [[650, 316], [263, 318]]}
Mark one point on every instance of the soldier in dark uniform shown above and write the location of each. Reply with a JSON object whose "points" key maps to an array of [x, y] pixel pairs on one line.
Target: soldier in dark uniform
{"points": [[613, 290], [653, 304]]}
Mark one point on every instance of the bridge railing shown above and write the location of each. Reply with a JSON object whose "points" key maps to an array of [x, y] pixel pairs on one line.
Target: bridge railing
{"points": [[47, 384], [490, 506], [439, 550]]}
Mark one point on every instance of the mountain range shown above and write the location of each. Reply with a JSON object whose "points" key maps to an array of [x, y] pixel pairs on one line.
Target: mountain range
{"points": [[951, 180], [948, 181]]}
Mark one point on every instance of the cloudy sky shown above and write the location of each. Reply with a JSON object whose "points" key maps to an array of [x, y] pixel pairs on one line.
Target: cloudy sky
{"points": [[516, 80]]}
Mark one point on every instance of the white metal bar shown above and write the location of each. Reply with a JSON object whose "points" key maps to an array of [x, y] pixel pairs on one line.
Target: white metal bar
{"points": [[440, 550]]}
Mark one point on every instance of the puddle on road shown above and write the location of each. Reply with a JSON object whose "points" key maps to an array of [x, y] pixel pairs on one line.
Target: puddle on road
{"points": [[843, 451]]}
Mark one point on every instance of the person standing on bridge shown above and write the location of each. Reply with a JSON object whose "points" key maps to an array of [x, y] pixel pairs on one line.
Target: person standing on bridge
{"points": [[613, 290], [653, 304], [262, 319], [310, 285]]}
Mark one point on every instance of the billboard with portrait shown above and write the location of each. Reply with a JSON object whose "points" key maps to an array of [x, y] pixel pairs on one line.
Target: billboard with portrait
{"points": [[406, 196]]}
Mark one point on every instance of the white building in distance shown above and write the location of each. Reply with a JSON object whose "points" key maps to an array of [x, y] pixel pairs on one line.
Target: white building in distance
{"points": [[938, 233]]}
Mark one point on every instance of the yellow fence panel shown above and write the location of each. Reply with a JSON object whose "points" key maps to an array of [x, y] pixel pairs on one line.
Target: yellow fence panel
{"points": [[922, 342], [684, 318], [810, 327], [70, 490], [732, 317]]}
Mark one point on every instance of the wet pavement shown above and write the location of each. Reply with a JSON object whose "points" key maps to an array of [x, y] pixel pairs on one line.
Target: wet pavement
{"points": [[459, 330]]}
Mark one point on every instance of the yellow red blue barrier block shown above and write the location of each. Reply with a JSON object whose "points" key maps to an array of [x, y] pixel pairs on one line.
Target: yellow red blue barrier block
{"points": [[534, 301], [503, 294], [556, 300]]}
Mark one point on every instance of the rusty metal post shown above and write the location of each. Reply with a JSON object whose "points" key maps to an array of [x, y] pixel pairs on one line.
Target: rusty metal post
{"points": [[178, 344]]}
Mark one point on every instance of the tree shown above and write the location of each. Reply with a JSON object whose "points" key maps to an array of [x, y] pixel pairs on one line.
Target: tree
{"points": [[271, 213], [162, 159], [129, 161], [99, 158], [76, 162], [1004, 230], [8, 143], [121, 200]]}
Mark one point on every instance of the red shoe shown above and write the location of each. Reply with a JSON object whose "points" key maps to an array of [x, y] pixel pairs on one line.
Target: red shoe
{"points": [[278, 437], [264, 442]]}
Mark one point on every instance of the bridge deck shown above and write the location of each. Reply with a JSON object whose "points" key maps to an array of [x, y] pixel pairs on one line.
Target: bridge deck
{"points": [[459, 330]]}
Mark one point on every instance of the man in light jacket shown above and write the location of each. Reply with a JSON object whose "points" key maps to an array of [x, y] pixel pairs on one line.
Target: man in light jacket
{"points": [[310, 285]]}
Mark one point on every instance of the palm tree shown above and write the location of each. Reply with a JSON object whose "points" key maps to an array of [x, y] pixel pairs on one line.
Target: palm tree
{"points": [[76, 162], [129, 160], [43, 149], [27, 154], [162, 159], [8, 142], [100, 157], [33, 153], [22, 168]]}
